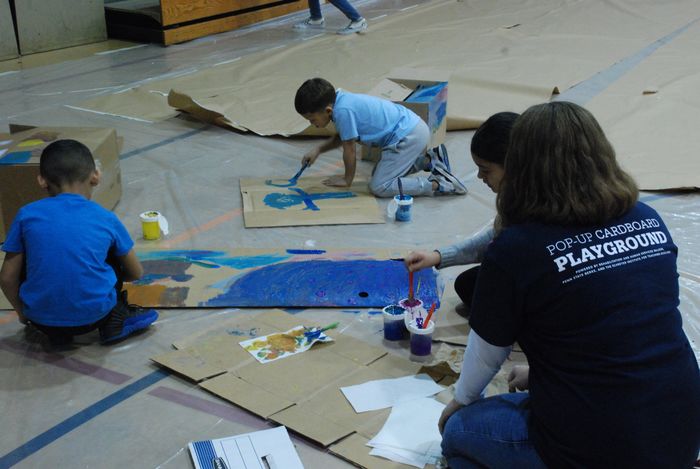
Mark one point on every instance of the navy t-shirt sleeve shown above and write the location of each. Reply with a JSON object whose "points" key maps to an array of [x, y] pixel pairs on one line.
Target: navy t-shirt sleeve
{"points": [[122, 241], [13, 241], [345, 124], [495, 312]]}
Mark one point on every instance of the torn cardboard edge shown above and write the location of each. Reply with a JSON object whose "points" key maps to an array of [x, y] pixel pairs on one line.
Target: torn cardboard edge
{"points": [[301, 392]]}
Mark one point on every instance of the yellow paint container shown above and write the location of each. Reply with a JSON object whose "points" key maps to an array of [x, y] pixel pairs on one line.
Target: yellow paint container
{"points": [[153, 223]]}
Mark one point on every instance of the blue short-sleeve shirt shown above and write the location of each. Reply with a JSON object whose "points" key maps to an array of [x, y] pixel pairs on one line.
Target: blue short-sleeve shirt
{"points": [[371, 120], [66, 240]]}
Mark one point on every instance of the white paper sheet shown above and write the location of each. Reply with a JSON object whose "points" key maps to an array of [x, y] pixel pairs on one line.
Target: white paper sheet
{"points": [[383, 393], [410, 434], [265, 449]]}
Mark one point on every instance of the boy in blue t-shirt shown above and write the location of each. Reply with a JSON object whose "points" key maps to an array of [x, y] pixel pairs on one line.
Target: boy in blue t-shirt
{"points": [[398, 131], [66, 257]]}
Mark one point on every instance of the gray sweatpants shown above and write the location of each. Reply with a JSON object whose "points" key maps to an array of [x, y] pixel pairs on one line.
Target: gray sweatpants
{"points": [[397, 161]]}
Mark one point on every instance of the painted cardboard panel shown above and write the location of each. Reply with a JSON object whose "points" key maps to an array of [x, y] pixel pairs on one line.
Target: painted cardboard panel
{"points": [[307, 201], [276, 278]]}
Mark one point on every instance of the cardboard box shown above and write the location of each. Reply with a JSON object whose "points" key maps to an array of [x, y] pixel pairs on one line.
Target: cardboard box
{"points": [[301, 392], [426, 98], [19, 166]]}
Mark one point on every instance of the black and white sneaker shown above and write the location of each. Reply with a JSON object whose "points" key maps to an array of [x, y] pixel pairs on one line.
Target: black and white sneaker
{"points": [[438, 157], [448, 183]]}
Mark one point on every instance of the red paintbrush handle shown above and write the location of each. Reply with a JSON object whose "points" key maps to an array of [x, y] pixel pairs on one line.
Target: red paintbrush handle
{"points": [[410, 285], [430, 315]]}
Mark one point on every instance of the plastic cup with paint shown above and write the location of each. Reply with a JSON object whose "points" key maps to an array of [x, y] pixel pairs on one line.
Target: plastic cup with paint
{"points": [[400, 208], [414, 309], [153, 223], [394, 325], [421, 338]]}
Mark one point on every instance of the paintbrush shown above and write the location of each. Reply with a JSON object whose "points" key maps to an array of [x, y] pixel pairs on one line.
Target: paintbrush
{"points": [[410, 285], [315, 333], [400, 189], [430, 315], [298, 174]]}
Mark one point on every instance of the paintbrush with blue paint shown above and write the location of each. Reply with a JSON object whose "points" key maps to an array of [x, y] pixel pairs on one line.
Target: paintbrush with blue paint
{"points": [[298, 174], [401, 196], [315, 332]]}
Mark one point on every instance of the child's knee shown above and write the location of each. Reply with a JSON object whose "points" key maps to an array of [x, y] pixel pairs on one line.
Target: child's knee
{"points": [[383, 189]]}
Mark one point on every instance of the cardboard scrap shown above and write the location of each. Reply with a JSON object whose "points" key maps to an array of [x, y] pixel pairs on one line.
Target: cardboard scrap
{"points": [[274, 202], [301, 392], [19, 166]]}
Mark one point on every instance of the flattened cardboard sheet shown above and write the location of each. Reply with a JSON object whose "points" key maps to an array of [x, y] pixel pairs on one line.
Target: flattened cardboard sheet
{"points": [[650, 115], [281, 202], [302, 391], [276, 278]]}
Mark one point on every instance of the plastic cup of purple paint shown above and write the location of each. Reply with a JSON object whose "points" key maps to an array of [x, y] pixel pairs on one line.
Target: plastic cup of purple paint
{"points": [[394, 325], [414, 309], [421, 339]]}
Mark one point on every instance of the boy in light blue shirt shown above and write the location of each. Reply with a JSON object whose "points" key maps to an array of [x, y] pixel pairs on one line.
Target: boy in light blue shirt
{"points": [[66, 257], [398, 131]]}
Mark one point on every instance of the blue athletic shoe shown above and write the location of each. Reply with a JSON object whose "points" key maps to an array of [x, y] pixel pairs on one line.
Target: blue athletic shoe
{"points": [[125, 320]]}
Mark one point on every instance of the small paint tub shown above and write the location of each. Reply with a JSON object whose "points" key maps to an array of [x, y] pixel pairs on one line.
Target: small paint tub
{"points": [[394, 325], [421, 339]]}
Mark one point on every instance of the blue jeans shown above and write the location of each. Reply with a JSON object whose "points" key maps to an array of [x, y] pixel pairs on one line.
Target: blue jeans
{"points": [[491, 433], [342, 5]]}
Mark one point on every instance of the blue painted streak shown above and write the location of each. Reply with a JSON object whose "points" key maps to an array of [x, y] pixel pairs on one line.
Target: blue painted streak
{"points": [[17, 157], [326, 283], [305, 251], [71, 423], [284, 201], [212, 259]]}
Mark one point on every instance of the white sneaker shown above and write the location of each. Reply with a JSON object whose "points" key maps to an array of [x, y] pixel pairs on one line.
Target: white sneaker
{"points": [[354, 27], [310, 23]]}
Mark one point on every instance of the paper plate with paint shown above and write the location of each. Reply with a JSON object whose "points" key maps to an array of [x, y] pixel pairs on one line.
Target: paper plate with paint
{"points": [[284, 344]]}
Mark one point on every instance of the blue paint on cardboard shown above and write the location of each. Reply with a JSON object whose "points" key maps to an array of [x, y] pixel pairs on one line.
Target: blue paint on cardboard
{"points": [[213, 259], [283, 201], [326, 283], [305, 251], [16, 157]]}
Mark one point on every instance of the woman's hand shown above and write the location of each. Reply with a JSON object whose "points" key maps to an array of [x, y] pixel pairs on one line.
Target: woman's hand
{"points": [[418, 260], [518, 378], [449, 409]]}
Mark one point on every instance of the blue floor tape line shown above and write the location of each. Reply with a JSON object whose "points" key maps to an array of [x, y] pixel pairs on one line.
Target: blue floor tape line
{"points": [[591, 87], [71, 423], [162, 143]]}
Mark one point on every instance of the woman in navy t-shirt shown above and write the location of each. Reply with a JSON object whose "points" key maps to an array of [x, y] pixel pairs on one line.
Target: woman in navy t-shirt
{"points": [[583, 276]]}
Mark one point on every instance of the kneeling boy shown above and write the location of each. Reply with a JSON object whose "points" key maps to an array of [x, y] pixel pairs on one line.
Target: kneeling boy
{"points": [[398, 131]]}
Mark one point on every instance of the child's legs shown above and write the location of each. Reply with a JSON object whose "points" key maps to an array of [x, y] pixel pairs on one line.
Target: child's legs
{"points": [[347, 9], [63, 334], [465, 283], [491, 432], [399, 161], [315, 9]]}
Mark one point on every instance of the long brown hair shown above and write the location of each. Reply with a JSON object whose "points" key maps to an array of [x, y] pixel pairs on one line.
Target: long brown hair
{"points": [[560, 169]]}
